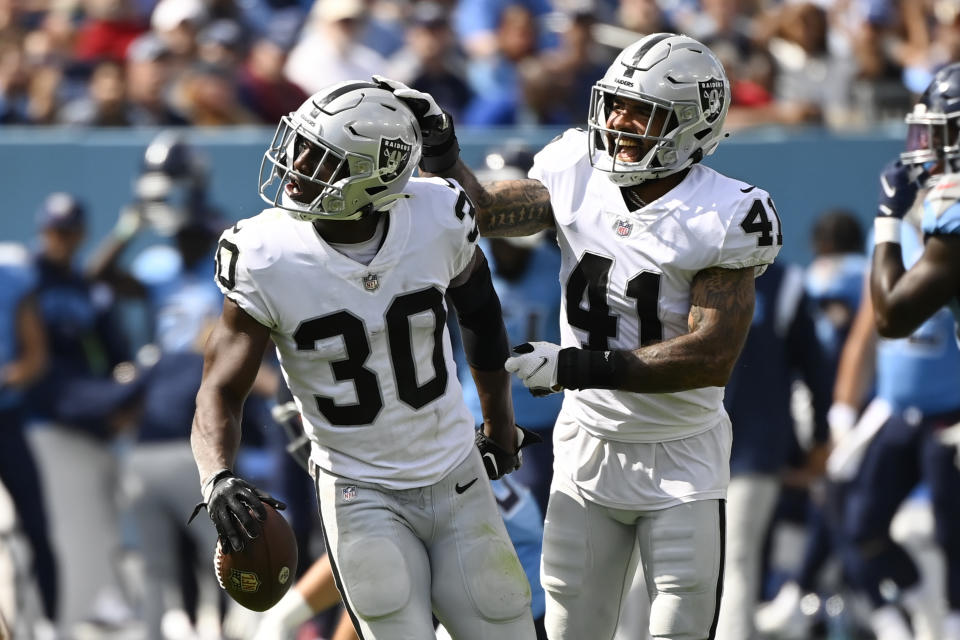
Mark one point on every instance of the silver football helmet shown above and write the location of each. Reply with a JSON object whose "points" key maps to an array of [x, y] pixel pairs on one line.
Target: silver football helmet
{"points": [[366, 144], [685, 89]]}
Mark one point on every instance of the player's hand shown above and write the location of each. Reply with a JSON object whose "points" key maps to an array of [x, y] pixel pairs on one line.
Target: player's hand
{"points": [[440, 147], [498, 461], [898, 190], [236, 508], [535, 363], [129, 222]]}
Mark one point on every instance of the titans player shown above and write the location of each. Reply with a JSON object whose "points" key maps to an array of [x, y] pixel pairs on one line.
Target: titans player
{"points": [[905, 298]]}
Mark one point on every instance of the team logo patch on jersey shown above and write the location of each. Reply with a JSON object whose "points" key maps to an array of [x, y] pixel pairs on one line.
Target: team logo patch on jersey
{"points": [[711, 98], [371, 282], [623, 228], [349, 494], [394, 155]]}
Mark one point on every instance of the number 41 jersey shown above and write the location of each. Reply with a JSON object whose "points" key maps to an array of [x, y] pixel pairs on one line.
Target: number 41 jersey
{"points": [[626, 277], [365, 348]]}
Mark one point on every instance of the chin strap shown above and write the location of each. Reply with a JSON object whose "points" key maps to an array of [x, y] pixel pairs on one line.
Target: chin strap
{"points": [[386, 202]]}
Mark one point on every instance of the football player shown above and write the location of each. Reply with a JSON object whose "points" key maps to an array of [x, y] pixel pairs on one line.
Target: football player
{"points": [[903, 298], [910, 284], [347, 273], [659, 255]]}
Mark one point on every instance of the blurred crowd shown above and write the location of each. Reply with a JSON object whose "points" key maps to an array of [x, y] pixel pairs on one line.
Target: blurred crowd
{"points": [[488, 62]]}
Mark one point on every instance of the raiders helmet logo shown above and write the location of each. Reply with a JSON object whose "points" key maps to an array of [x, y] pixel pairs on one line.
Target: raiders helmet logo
{"points": [[711, 98], [393, 157]]}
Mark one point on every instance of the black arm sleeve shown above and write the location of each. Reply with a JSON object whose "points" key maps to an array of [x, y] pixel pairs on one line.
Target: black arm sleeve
{"points": [[481, 323]]}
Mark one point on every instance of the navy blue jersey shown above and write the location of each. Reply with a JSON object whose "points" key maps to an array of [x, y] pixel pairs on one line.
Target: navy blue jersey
{"points": [[82, 334], [170, 396], [781, 346], [85, 343], [18, 282]]}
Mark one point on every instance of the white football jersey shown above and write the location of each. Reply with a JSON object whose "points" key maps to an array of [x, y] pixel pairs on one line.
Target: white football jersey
{"points": [[626, 277], [365, 348]]}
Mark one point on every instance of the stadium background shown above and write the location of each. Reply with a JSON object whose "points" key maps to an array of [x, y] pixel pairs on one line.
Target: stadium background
{"points": [[807, 170]]}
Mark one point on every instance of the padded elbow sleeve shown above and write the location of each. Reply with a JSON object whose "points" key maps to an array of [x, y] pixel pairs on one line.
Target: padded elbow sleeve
{"points": [[481, 323]]}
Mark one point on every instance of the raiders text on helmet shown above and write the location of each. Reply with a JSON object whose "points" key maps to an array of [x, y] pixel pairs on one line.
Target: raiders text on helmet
{"points": [[371, 144], [670, 74]]}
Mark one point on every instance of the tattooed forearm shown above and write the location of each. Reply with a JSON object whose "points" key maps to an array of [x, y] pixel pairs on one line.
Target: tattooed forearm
{"points": [[727, 290], [514, 208], [721, 309], [506, 207]]}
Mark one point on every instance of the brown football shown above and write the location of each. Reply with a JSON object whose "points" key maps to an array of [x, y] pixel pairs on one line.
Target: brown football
{"points": [[260, 575]]}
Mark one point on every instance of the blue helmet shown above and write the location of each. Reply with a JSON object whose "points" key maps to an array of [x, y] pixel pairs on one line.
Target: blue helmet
{"points": [[172, 184], [933, 127], [61, 211]]}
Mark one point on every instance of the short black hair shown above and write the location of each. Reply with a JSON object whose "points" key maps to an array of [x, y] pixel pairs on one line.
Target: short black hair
{"points": [[837, 231]]}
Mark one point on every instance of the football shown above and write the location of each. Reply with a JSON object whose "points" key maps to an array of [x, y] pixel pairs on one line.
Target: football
{"points": [[260, 575]]}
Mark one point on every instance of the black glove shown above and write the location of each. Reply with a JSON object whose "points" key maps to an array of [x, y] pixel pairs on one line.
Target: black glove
{"points": [[229, 502], [898, 190], [498, 461], [440, 146]]}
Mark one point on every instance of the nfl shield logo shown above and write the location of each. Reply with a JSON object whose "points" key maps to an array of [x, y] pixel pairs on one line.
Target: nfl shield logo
{"points": [[371, 282], [623, 228], [349, 493]]}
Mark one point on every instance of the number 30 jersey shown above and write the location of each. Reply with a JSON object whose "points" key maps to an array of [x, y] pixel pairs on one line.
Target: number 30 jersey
{"points": [[626, 277], [365, 348]]}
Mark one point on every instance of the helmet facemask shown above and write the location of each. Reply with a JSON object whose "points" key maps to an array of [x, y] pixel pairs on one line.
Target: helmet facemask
{"points": [[658, 137], [932, 139], [681, 87], [334, 171], [363, 143]]}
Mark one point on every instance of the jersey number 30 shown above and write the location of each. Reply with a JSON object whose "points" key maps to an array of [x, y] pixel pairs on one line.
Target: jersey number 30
{"points": [[369, 399]]}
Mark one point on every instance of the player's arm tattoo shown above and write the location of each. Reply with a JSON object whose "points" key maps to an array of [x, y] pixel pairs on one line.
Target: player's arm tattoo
{"points": [[721, 310], [506, 207], [514, 208]]}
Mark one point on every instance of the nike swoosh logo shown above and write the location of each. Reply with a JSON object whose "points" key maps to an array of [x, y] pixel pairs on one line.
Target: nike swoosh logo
{"points": [[748, 189], [887, 189], [543, 361], [461, 489]]}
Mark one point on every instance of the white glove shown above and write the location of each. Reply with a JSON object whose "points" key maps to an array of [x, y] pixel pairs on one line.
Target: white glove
{"points": [[422, 104], [535, 363], [282, 621], [440, 146], [841, 419], [129, 222]]}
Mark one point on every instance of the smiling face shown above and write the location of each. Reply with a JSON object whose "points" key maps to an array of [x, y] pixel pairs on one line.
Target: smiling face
{"points": [[636, 118]]}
